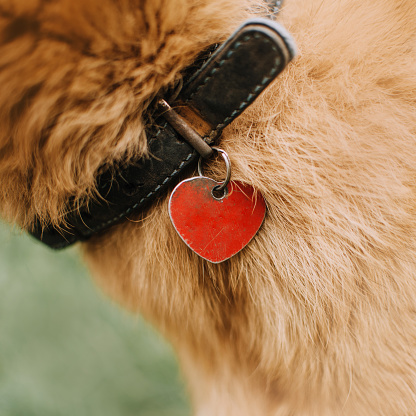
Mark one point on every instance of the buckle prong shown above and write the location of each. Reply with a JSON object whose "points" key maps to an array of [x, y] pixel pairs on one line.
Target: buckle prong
{"points": [[184, 129]]}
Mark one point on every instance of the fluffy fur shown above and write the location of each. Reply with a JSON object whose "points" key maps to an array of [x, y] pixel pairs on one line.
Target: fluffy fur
{"points": [[317, 315]]}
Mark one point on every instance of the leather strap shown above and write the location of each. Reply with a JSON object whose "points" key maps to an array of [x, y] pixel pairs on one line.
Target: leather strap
{"points": [[216, 94], [241, 69]]}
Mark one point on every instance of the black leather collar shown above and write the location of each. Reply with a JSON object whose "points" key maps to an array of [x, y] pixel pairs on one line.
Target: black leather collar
{"points": [[218, 92]]}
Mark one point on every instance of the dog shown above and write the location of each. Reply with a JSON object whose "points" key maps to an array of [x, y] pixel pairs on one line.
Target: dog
{"points": [[317, 314]]}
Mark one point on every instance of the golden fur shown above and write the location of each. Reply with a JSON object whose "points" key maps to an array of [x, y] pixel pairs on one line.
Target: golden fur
{"points": [[317, 315]]}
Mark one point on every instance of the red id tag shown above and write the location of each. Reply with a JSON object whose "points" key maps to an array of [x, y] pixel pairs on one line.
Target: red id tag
{"points": [[216, 228]]}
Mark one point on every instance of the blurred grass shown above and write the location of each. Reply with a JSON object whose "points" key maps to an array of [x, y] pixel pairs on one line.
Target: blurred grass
{"points": [[66, 350]]}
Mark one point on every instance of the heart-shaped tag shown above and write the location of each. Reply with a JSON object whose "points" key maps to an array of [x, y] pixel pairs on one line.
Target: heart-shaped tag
{"points": [[216, 228]]}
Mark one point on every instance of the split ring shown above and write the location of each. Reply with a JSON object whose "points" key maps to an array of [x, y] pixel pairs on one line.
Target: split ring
{"points": [[222, 185]]}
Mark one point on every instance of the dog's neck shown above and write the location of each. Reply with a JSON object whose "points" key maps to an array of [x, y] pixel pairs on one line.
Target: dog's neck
{"points": [[203, 111], [274, 6]]}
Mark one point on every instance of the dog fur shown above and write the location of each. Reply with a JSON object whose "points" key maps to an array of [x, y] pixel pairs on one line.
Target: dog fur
{"points": [[317, 315]]}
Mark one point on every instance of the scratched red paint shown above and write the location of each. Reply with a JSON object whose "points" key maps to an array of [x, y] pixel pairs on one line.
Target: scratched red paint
{"points": [[216, 229]]}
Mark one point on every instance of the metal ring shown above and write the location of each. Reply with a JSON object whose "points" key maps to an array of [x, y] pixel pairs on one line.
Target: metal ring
{"points": [[227, 161]]}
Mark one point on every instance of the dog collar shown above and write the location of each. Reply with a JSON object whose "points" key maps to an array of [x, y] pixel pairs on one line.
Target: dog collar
{"points": [[211, 98]]}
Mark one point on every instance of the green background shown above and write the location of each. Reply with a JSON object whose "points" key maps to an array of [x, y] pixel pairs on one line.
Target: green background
{"points": [[67, 350]]}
